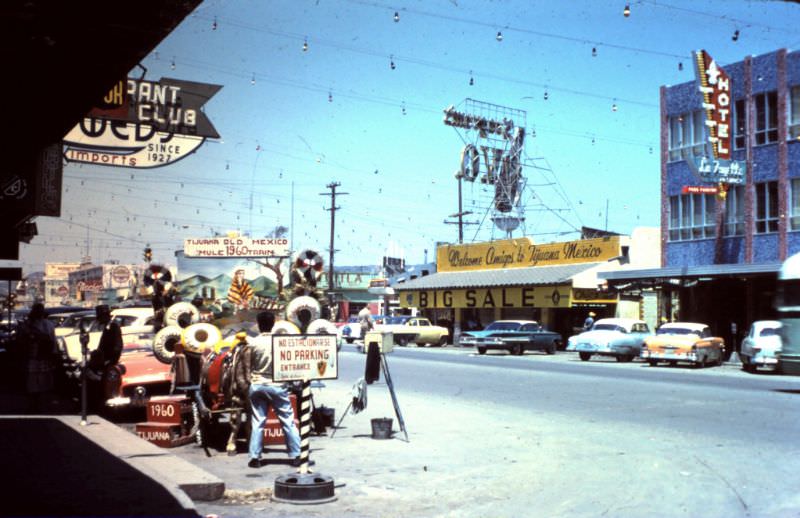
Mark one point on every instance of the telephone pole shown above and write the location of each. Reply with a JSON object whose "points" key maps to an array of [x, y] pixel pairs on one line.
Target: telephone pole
{"points": [[332, 186], [460, 215]]}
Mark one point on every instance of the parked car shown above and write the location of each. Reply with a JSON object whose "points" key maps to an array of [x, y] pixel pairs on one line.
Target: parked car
{"points": [[684, 342], [414, 329], [351, 331], [514, 336], [138, 376], [68, 323], [136, 325], [621, 338], [761, 346]]}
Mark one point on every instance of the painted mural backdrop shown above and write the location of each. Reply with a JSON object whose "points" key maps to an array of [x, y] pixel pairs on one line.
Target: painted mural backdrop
{"points": [[232, 289]]}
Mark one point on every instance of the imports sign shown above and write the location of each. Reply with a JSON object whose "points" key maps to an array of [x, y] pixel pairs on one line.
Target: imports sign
{"points": [[121, 144], [304, 357], [236, 247], [522, 252]]}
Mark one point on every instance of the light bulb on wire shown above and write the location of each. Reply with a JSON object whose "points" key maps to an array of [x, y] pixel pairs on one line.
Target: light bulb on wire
{"points": [[253, 79], [396, 17], [305, 45], [499, 36], [680, 66], [471, 79], [172, 65], [627, 11], [735, 36], [214, 25], [391, 62], [594, 52]]}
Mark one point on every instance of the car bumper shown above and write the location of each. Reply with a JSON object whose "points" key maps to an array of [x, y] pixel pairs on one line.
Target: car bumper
{"points": [[598, 349], [488, 344], [765, 361], [670, 356], [127, 402]]}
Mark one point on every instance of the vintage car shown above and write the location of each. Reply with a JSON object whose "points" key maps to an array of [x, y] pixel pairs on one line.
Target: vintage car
{"points": [[761, 346], [68, 323], [418, 330], [351, 330], [138, 376], [514, 336], [684, 342], [136, 325], [621, 338]]}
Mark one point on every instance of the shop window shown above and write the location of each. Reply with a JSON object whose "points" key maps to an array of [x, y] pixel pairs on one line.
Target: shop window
{"points": [[794, 207], [691, 216], [794, 112], [739, 124], [686, 135], [734, 211], [766, 207], [766, 118]]}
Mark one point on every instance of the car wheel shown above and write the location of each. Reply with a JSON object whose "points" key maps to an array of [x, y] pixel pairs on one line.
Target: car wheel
{"points": [[516, 350], [481, 350], [350, 340], [620, 358], [652, 363], [551, 349], [585, 356], [402, 341], [442, 341]]}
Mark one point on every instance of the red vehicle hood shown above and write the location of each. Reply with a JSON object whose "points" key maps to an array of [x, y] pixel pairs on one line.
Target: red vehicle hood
{"points": [[143, 367]]}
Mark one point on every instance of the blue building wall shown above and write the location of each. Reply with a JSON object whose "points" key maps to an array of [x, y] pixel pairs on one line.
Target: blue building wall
{"points": [[764, 166]]}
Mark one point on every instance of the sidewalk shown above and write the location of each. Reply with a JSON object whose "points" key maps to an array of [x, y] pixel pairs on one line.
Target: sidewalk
{"points": [[54, 466]]}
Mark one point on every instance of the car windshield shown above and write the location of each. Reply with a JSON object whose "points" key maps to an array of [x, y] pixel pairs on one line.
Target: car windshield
{"points": [[609, 327], [503, 326], [396, 320], [769, 331], [677, 331]]}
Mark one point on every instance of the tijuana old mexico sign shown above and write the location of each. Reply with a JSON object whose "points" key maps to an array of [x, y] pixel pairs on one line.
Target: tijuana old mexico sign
{"points": [[143, 124], [714, 85], [522, 252]]}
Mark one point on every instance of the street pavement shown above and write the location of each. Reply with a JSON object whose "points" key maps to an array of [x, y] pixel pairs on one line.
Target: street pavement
{"points": [[452, 465]]}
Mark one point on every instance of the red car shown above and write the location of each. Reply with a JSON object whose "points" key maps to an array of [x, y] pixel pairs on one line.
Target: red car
{"points": [[138, 376]]}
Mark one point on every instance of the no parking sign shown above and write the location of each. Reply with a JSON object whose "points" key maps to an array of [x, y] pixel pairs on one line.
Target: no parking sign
{"points": [[304, 357]]}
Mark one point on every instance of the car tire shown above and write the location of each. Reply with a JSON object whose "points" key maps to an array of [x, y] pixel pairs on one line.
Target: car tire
{"points": [[551, 349], [516, 350], [402, 341], [442, 341], [350, 340], [481, 350], [585, 356], [652, 363]]}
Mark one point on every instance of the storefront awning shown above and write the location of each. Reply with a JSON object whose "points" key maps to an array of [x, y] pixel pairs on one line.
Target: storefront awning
{"points": [[359, 297], [675, 274], [530, 276]]}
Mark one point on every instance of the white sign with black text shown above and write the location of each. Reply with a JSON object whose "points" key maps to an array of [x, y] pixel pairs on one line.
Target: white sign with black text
{"points": [[304, 357]]}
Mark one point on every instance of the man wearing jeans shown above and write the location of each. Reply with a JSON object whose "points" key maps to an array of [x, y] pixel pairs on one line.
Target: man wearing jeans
{"points": [[265, 393]]}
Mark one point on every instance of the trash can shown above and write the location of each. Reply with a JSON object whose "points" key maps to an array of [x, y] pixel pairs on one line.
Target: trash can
{"points": [[382, 428]]}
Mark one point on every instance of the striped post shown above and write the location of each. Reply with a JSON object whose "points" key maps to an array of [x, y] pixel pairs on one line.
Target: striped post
{"points": [[305, 425]]}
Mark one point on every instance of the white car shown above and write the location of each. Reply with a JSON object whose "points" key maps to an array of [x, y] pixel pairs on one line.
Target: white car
{"points": [[136, 324], [761, 346], [621, 338]]}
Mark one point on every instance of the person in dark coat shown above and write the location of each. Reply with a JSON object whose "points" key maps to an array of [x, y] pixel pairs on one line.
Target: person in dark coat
{"points": [[111, 340]]}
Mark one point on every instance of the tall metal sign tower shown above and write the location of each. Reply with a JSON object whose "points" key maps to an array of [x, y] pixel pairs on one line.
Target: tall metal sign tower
{"points": [[494, 138]]}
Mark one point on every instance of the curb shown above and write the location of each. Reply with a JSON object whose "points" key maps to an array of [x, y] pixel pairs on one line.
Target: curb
{"points": [[184, 480]]}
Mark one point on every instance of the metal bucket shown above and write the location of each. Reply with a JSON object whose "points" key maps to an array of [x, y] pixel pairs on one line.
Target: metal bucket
{"points": [[382, 428]]}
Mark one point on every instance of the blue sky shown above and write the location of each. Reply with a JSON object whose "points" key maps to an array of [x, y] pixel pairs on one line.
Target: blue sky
{"points": [[292, 121]]}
